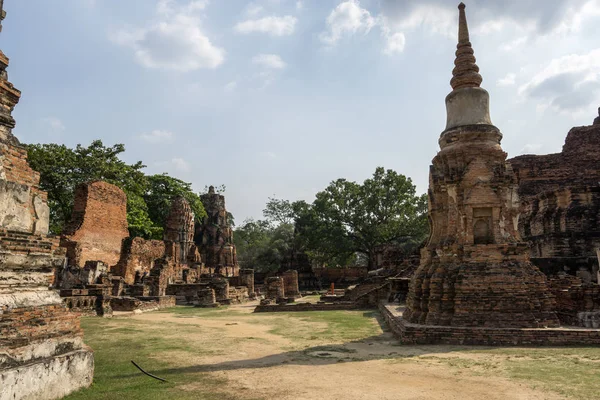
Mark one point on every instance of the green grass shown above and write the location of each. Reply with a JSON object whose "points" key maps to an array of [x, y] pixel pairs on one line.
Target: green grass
{"points": [[570, 371], [155, 346], [117, 342], [331, 326], [165, 346]]}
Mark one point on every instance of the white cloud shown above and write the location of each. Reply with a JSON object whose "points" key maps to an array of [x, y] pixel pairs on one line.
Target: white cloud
{"points": [[157, 136], [348, 18], [269, 154], [54, 124], [394, 43], [180, 164], [253, 9], [175, 43], [275, 26], [270, 61], [437, 19], [531, 148], [299, 5], [568, 84], [230, 87], [510, 46], [576, 18], [508, 80], [170, 7]]}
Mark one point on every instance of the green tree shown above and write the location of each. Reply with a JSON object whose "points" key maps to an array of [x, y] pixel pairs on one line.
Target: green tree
{"points": [[348, 218], [262, 246], [279, 211], [161, 189], [62, 169]]}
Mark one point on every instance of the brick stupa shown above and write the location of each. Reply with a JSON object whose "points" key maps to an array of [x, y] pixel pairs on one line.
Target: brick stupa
{"points": [[475, 269]]}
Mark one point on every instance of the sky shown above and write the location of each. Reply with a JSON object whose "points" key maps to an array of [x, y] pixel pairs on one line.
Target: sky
{"points": [[277, 98]]}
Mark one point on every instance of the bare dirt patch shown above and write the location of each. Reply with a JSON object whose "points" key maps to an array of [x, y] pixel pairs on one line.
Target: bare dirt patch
{"points": [[282, 356]]}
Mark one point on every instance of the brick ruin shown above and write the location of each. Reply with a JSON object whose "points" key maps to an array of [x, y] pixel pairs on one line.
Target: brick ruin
{"points": [[42, 354], [214, 236], [179, 229], [109, 271], [98, 224], [560, 211], [474, 270], [290, 283], [476, 283]]}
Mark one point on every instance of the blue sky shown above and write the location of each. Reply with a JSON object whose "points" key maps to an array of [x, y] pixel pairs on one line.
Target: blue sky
{"points": [[280, 97]]}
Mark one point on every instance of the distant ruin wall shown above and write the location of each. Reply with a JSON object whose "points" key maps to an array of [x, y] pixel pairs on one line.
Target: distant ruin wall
{"points": [[137, 257], [98, 224]]}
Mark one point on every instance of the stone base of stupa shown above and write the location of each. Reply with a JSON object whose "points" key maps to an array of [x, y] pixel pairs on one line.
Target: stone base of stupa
{"points": [[409, 333]]}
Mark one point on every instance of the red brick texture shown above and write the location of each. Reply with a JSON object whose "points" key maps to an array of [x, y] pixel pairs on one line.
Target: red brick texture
{"points": [[98, 224]]}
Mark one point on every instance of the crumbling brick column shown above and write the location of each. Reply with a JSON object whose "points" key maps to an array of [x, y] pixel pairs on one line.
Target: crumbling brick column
{"points": [[247, 279], [98, 224], [290, 283], [275, 288]]}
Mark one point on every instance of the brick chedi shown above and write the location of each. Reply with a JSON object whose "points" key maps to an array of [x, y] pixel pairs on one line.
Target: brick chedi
{"points": [[214, 236], [560, 204], [475, 270], [98, 224], [179, 228], [42, 354]]}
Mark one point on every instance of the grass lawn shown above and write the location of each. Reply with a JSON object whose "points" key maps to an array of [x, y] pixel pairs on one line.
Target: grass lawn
{"points": [[195, 349]]}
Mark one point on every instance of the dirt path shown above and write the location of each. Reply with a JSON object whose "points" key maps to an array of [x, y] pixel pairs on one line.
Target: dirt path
{"points": [[259, 363]]}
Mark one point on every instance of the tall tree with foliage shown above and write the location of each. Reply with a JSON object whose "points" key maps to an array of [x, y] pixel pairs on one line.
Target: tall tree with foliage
{"points": [[263, 246], [62, 169], [279, 211], [348, 217], [160, 191]]}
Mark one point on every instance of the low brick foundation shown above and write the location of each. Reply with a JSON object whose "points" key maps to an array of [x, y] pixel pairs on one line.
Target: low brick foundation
{"points": [[142, 304], [409, 333], [306, 307]]}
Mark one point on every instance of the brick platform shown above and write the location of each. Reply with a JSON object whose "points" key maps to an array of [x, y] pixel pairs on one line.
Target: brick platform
{"points": [[306, 307], [409, 333]]}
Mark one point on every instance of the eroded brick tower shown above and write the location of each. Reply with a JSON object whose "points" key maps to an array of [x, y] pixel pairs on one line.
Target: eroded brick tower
{"points": [[179, 227], [475, 269], [42, 354], [214, 236]]}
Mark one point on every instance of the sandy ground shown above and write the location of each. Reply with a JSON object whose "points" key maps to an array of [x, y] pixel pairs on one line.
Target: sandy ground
{"points": [[271, 366]]}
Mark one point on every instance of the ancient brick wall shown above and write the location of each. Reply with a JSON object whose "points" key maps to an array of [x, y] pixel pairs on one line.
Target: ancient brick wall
{"points": [[560, 203], [42, 352], [137, 258], [574, 296], [246, 278], [342, 277], [98, 224]]}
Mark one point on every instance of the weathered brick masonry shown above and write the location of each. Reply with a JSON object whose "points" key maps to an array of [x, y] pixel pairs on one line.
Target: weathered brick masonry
{"points": [[42, 354], [214, 236], [98, 224], [560, 204], [474, 269]]}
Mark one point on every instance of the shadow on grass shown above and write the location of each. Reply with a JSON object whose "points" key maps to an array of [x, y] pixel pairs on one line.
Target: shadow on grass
{"points": [[354, 351]]}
